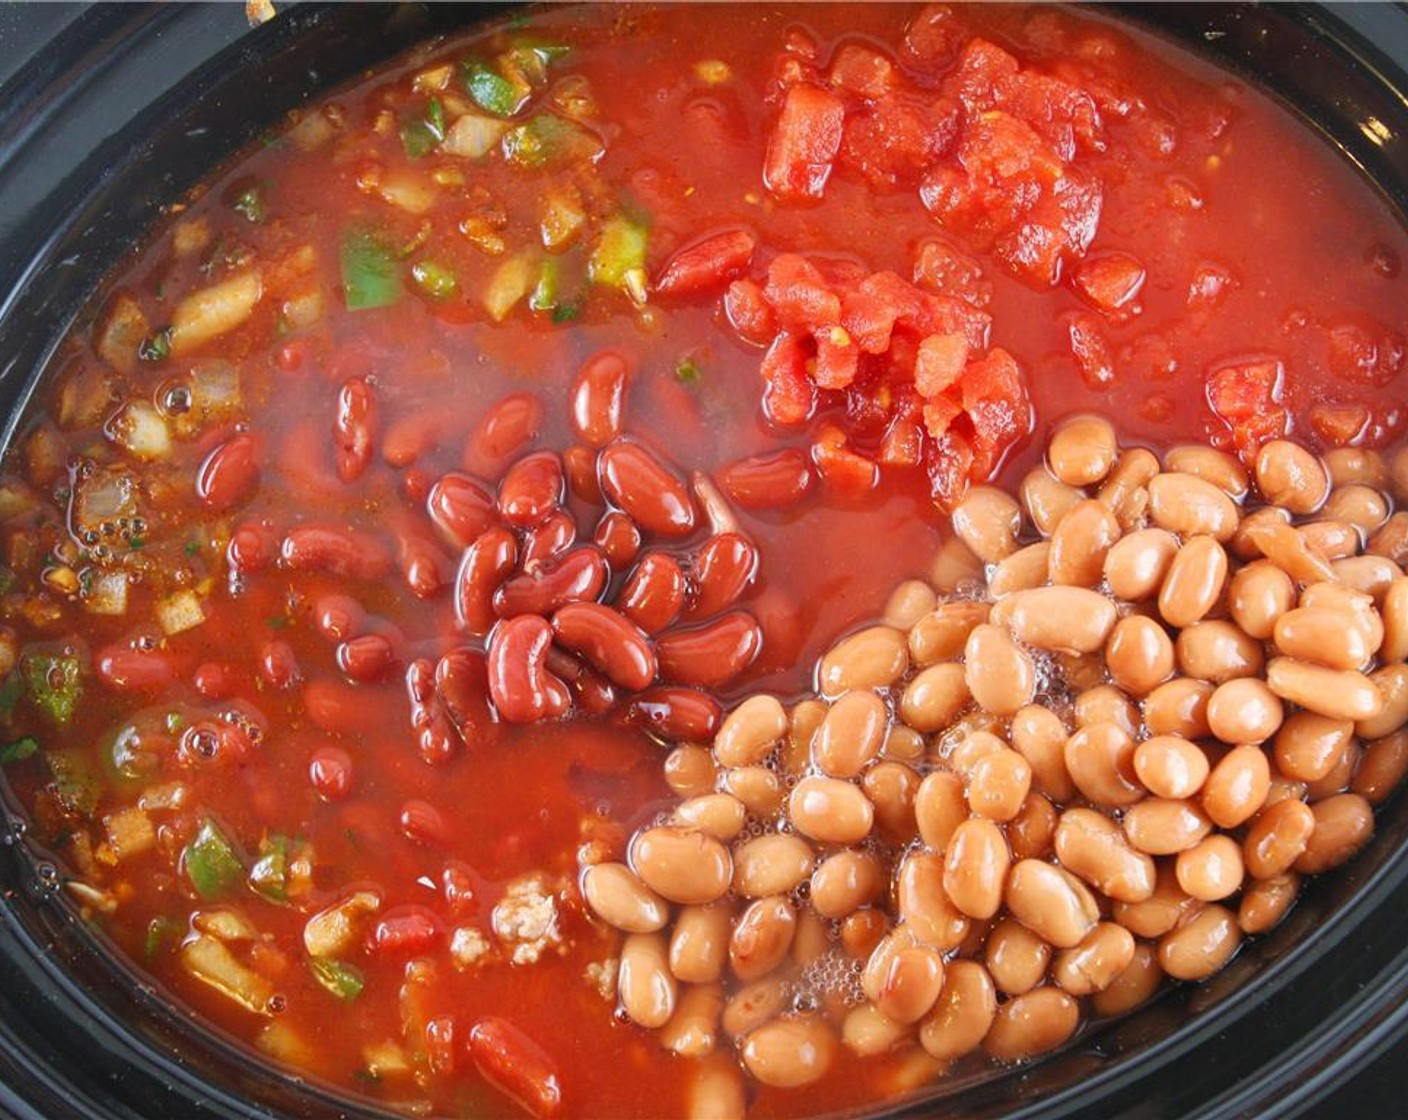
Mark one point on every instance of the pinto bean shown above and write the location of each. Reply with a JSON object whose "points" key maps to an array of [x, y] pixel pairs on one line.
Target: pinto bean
{"points": [[1194, 581], [830, 811], [1158, 826], [790, 1051], [1190, 506], [1211, 465], [923, 904], [975, 867], [1291, 477], [936, 696], [1179, 707], [1266, 902], [1081, 543], [1382, 768], [1047, 500], [988, 521], [620, 899], [941, 634], [962, 1014], [683, 865], [1031, 1024], [774, 863], [844, 882], [1082, 450], [1343, 825], [1202, 945], [1258, 596], [1092, 846], [1136, 565], [1050, 902], [1134, 986], [871, 658], [1100, 761], [999, 674], [1097, 962], [761, 937], [1069, 619], [1336, 694], [646, 986], [699, 942], [1024, 569], [1039, 736], [1139, 655], [1016, 958], [851, 734]]}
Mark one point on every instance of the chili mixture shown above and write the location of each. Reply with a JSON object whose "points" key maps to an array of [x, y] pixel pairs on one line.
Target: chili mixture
{"points": [[713, 560]]}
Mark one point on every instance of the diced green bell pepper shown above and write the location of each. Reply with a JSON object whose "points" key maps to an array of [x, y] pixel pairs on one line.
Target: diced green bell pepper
{"points": [[211, 863]]}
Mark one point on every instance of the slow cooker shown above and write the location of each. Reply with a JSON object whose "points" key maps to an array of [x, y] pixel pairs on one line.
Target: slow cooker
{"points": [[108, 114]]}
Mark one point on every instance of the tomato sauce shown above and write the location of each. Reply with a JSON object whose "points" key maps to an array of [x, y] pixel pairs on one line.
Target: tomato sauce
{"points": [[410, 292]]}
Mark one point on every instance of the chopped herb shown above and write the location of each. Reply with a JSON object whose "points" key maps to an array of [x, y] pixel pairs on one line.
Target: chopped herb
{"points": [[434, 279], [350, 834], [159, 291], [211, 862], [192, 547], [135, 542], [249, 204], [156, 347], [269, 875], [174, 722], [566, 312], [435, 117], [619, 250], [277, 622], [491, 91], [53, 683], [342, 980], [161, 931], [18, 750], [687, 370], [370, 277]]}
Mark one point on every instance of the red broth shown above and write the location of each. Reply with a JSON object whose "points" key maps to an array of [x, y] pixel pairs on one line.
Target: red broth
{"points": [[1257, 245]]}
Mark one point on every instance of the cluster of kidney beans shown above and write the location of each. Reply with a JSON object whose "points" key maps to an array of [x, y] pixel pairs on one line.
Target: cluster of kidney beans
{"points": [[562, 612]]}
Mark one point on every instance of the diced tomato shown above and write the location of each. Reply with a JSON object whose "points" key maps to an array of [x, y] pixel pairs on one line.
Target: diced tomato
{"points": [[869, 319], [939, 363], [903, 442], [895, 140], [1339, 425], [939, 413], [1238, 392], [839, 467], [1210, 283], [948, 460], [981, 66], [1364, 351], [862, 70], [944, 269], [1092, 352], [789, 396], [749, 311], [800, 295], [996, 403], [707, 264], [837, 357], [1110, 281], [931, 39], [803, 144], [911, 308]]}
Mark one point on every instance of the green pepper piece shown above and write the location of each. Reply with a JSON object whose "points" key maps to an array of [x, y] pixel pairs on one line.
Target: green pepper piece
{"points": [[53, 684], [10, 692], [434, 279], [687, 370], [342, 980], [19, 749], [546, 139], [157, 347], [491, 91], [161, 931], [370, 277], [249, 204], [75, 782], [269, 875], [418, 139], [619, 249], [211, 863], [544, 296]]}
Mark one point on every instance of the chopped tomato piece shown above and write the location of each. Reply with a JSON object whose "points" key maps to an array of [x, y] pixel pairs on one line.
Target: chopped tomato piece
{"points": [[800, 295], [1339, 425], [862, 70], [931, 39], [943, 269], [939, 413], [804, 143], [1110, 281], [894, 140], [749, 311], [1246, 397], [837, 357], [1364, 351], [1092, 352], [789, 396], [939, 363], [707, 264], [948, 460], [839, 466], [869, 319], [996, 403]]}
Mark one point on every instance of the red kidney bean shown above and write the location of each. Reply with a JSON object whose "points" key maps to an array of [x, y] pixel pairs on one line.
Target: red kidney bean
{"points": [[354, 428], [593, 692], [723, 568], [331, 772], [416, 485], [577, 576], [654, 592], [552, 538], [770, 481], [462, 683], [483, 567], [504, 430], [677, 713], [711, 654], [579, 464], [436, 737], [442, 1045], [617, 536], [125, 669], [637, 480], [277, 664], [405, 931], [422, 823], [461, 507], [522, 688], [424, 567], [516, 1066], [608, 640], [215, 680], [338, 617], [409, 437], [337, 552], [252, 547], [531, 489], [366, 658], [598, 397], [343, 709], [229, 474]]}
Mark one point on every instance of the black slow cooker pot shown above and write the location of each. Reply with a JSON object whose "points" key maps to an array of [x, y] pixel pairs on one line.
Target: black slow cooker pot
{"points": [[108, 113]]}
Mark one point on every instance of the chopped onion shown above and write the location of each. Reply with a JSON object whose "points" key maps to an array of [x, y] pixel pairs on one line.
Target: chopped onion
{"points": [[130, 833], [508, 286], [210, 962], [107, 594], [179, 612], [225, 924], [336, 929], [121, 332], [140, 430], [211, 312]]}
